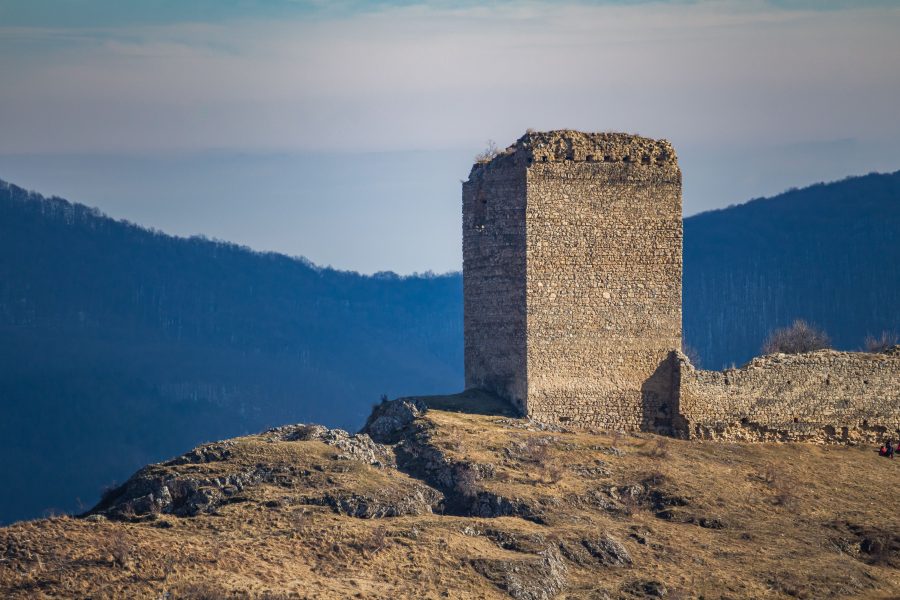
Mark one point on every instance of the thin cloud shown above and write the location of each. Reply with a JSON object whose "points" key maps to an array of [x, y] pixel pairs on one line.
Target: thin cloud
{"points": [[444, 74], [752, 94]]}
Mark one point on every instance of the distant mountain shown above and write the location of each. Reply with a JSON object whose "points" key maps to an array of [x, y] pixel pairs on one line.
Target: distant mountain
{"points": [[829, 253], [121, 346]]}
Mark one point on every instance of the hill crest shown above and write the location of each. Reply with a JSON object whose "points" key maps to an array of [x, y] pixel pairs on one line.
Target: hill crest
{"points": [[462, 505]]}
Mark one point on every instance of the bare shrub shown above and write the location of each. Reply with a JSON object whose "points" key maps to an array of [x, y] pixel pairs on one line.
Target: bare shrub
{"points": [[378, 540], [799, 337], [108, 493], [127, 512], [654, 479], [616, 439], [168, 567], [784, 496], [536, 450], [453, 441], [552, 473], [120, 549], [337, 549], [374, 543], [881, 343], [381, 401], [303, 524], [466, 482], [502, 476], [303, 518], [630, 504], [197, 591], [660, 448], [780, 483], [769, 474], [691, 353], [679, 594], [488, 154]]}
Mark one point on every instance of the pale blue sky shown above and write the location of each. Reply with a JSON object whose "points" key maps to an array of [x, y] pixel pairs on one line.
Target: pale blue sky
{"points": [[340, 130]]}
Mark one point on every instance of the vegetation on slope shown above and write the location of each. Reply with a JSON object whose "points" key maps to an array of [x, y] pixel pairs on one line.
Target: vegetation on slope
{"points": [[464, 506]]}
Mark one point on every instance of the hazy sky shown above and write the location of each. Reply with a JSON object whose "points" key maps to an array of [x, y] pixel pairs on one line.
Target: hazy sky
{"points": [[340, 130]]}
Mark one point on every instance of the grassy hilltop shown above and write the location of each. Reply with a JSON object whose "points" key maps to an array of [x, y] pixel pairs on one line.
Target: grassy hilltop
{"points": [[475, 506]]}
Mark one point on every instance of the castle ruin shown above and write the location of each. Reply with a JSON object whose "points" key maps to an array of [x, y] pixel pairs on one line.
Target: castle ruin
{"points": [[572, 267]]}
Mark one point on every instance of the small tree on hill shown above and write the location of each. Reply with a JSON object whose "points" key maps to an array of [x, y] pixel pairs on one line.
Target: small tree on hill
{"points": [[799, 337]]}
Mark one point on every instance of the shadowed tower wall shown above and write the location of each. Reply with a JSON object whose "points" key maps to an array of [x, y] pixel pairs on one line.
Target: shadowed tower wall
{"points": [[494, 279], [582, 233]]}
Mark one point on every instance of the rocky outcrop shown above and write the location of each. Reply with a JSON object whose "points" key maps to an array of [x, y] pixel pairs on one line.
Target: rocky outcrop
{"points": [[603, 550], [539, 577], [387, 503], [156, 490], [390, 418], [458, 480], [359, 447], [439, 483], [167, 488]]}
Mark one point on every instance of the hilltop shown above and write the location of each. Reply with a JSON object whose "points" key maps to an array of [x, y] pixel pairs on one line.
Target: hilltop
{"points": [[435, 503]]}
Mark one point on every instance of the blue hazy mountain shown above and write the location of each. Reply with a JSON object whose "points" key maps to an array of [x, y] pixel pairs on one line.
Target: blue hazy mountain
{"points": [[121, 346], [828, 253]]}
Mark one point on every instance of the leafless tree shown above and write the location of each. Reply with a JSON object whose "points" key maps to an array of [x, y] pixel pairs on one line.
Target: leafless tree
{"points": [[881, 343], [799, 337], [488, 153], [691, 353]]}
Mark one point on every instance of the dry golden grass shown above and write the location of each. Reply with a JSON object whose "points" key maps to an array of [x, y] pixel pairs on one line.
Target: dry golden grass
{"points": [[703, 520]]}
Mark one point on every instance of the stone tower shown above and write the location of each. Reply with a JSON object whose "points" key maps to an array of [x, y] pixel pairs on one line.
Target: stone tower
{"points": [[572, 278]]}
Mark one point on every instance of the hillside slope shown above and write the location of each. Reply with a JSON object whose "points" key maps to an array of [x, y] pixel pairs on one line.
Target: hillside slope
{"points": [[475, 506]]}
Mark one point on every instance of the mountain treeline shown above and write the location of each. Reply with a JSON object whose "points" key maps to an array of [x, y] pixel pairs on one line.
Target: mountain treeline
{"points": [[121, 346], [828, 254]]}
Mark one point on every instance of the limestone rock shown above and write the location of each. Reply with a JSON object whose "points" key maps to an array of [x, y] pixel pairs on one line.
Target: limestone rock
{"points": [[389, 418], [538, 577]]}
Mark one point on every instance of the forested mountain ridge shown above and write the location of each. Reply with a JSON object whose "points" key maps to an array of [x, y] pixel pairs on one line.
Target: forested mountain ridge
{"points": [[121, 345], [828, 253]]}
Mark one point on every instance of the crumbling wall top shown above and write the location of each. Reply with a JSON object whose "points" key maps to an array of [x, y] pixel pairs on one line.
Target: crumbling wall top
{"points": [[569, 145]]}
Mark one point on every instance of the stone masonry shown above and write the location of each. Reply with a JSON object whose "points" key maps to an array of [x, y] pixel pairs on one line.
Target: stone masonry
{"points": [[572, 277], [572, 301], [824, 396]]}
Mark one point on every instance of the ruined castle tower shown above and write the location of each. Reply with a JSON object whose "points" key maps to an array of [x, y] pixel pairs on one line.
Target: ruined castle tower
{"points": [[572, 278]]}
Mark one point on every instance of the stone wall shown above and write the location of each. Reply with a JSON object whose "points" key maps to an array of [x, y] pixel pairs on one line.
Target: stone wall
{"points": [[494, 279], [604, 281], [572, 284], [824, 396], [574, 265]]}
